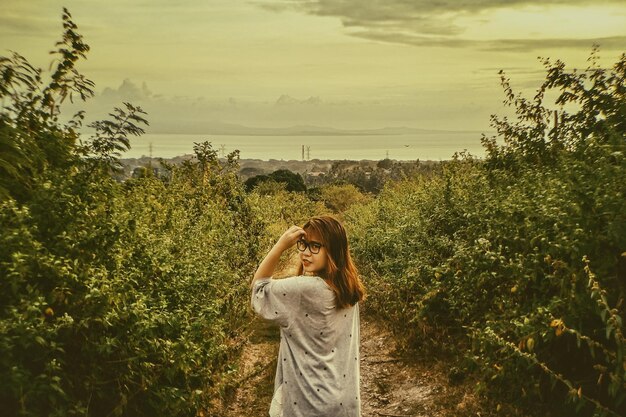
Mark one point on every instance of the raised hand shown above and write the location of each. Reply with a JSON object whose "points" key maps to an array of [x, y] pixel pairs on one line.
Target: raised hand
{"points": [[290, 237], [287, 240]]}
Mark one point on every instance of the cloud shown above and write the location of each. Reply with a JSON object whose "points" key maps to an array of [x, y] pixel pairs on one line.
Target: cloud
{"points": [[13, 25], [205, 115], [612, 42], [128, 91], [403, 10], [432, 22], [514, 45], [286, 100]]}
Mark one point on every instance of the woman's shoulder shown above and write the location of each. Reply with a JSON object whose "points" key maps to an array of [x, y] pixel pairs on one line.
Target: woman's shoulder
{"points": [[306, 283]]}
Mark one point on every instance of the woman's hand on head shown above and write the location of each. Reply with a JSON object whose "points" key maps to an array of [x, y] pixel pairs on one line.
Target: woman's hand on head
{"points": [[287, 240], [290, 237]]}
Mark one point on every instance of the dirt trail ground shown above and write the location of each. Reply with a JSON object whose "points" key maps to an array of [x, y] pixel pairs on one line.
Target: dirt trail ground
{"points": [[392, 384]]}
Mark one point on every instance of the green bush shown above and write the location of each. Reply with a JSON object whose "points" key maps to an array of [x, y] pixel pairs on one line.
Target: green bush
{"points": [[516, 263], [115, 298], [292, 180], [277, 209]]}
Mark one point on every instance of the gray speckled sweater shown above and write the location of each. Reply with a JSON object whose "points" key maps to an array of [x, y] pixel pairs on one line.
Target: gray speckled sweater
{"points": [[318, 360]]}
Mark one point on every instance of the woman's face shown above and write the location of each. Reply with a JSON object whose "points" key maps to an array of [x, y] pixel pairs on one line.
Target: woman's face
{"points": [[313, 263]]}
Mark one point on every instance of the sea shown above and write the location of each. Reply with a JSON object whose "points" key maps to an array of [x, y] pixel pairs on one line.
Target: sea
{"points": [[404, 147]]}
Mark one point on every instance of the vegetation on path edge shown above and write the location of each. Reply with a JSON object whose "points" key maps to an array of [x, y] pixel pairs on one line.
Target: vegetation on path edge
{"points": [[131, 298]]}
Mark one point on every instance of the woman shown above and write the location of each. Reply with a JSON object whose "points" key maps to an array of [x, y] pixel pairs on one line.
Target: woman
{"points": [[318, 312]]}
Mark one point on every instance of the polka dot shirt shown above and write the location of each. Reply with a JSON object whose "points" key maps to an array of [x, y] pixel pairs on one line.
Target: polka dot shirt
{"points": [[317, 372]]}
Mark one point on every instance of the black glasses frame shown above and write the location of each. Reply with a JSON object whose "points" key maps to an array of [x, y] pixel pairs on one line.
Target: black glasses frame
{"points": [[314, 247]]}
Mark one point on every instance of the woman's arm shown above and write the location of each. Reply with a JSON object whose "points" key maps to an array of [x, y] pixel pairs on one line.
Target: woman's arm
{"points": [[287, 240]]}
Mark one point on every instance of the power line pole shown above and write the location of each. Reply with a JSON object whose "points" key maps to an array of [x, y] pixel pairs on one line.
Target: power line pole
{"points": [[149, 168]]}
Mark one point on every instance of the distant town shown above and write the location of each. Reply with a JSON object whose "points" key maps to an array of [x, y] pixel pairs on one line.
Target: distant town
{"points": [[368, 175]]}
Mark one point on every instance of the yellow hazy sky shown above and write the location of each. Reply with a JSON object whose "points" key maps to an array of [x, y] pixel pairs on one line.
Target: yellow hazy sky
{"points": [[341, 63]]}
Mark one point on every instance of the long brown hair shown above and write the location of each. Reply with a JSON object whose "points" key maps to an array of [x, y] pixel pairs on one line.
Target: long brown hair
{"points": [[341, 273]]}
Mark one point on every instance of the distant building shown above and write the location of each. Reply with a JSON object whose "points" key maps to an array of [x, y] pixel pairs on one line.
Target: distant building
{"points": [[142, 171]]}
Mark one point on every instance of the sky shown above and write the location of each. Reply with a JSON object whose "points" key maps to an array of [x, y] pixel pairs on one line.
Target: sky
{"points": [[352, 64]]}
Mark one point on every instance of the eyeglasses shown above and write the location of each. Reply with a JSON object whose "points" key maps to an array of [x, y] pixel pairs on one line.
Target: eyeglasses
{"points": [[314, 247]]}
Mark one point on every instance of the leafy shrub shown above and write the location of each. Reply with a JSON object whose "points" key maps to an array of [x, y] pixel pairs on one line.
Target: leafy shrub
{"points": [[293, 181], [339, 198], [115, 299], [278, 210], [517, 263]]}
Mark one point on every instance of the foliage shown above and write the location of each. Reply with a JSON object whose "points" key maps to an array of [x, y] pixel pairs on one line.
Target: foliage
{"points": [[131, 298], [111, 137], [115, 299], [370, 177], [278, 209], [517, 263], [339, 198], [597, 95], [30, 132], [364, 177], [293, 181]]}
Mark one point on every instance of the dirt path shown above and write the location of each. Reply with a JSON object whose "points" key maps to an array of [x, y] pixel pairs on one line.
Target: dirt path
{"points": [[392, 384]]}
